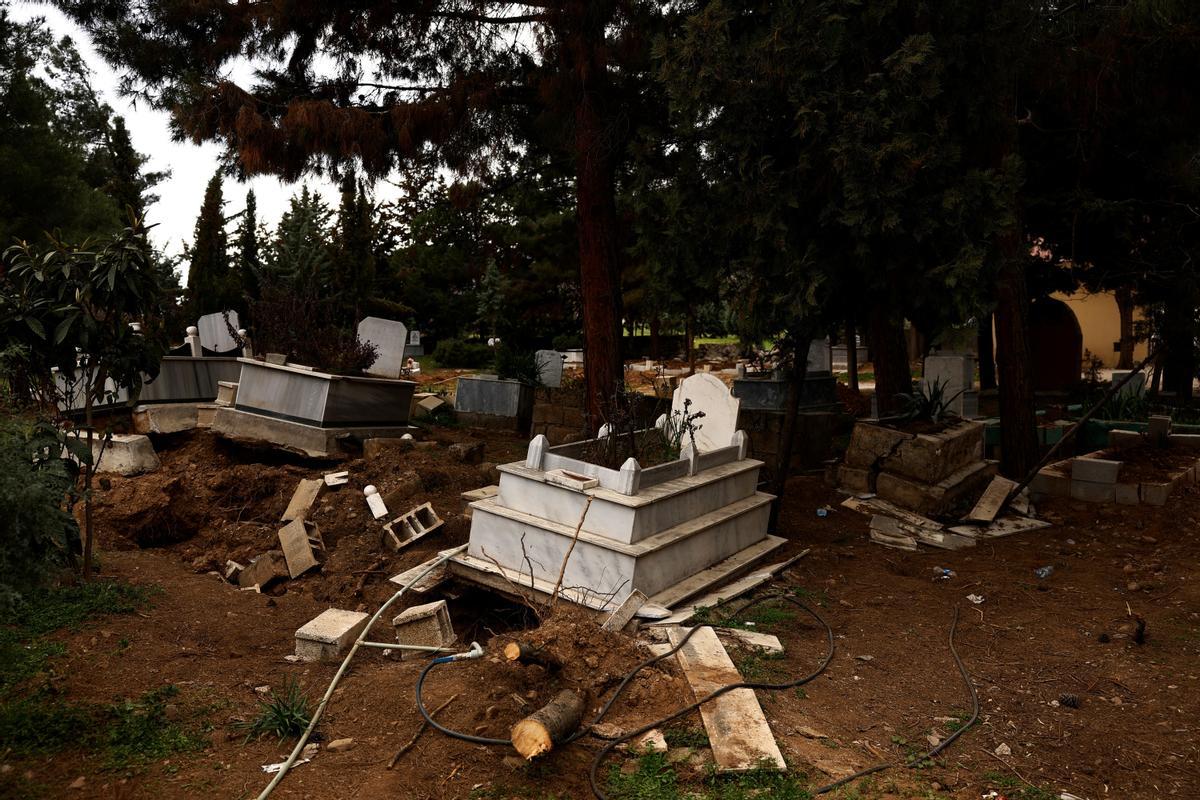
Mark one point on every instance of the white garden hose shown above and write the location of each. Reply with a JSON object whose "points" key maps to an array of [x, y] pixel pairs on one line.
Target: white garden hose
{"points": [[442, 559]]}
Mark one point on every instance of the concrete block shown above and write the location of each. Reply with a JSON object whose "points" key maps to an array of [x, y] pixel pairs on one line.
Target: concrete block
{"points": [[408, 528], [326, 637], [164, 418], [930, 458], [960, 489], [205, 414], [1095, 470], [468, 452], [378, 446], [300, 540], [268, 568], [425, 625], [125, 454], [1052, 483], [1126, 494], [278, 359], [1093, 492], [1156, 494], [233, 571], [407, 485], [1118, 439], [853, 479], [226, 393], [1190, 440], [337, 478], [426, 405], [307, 492], [869, 443]]}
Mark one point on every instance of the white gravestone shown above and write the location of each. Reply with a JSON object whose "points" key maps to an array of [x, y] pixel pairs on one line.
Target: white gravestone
{"points": [[214, 332], [820, 356], [550, 367], [389, 338], [710, 395], [955, 373]]}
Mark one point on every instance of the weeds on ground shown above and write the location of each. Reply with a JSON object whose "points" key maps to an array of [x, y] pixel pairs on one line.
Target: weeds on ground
{"points": [[685, 737], [757, 666], [1015, 789], [654, 779], [283, 714], [763, 615]]}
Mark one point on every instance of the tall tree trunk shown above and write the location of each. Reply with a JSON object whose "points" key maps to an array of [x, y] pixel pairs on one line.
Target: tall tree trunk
{"points": [[893, 375], [851, 354], [1018, 422], [987, 354], [783, 464], [596, 221], [1179, 331], [1124, 296], [654, 340], [690, 335]]}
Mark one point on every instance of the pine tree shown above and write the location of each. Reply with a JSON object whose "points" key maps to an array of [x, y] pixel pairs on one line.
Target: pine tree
{"points": [[211, 282], [248, 261], [299, 254], [353, 240]]}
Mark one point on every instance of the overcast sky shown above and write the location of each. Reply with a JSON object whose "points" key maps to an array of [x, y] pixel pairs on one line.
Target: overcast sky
{"points": [[191, 166]]}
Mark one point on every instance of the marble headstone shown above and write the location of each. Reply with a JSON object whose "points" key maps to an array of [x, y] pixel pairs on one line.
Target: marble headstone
{"points": [[389, 338], [550, 367], [710, 395], [820, 356], [214, 333]]}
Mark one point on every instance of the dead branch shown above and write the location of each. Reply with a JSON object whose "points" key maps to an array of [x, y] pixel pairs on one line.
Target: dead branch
{"points": [[563, 569], [420, 729]]}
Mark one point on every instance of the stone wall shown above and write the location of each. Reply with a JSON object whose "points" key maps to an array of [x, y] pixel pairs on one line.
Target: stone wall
{"points": [[811, 446], [558, 414]]}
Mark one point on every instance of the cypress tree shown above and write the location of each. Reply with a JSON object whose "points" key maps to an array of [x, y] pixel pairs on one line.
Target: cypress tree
{"points": [[249, 261], [211, 285]]}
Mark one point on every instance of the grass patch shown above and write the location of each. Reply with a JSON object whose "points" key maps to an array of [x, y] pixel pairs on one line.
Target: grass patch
{"points": [[1016, 789], [38, 720], [685, 737], [654, 779], [763, 615], [757, 666]]}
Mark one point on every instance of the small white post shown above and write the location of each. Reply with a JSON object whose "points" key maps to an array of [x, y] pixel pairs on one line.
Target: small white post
{"points": [[193, 341], [247, 352], [605, 431], [693, 458], [630, 477], [537, 449]]}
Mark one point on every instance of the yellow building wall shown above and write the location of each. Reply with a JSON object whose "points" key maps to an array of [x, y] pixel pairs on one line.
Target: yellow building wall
{"points": [[1100, 321]]}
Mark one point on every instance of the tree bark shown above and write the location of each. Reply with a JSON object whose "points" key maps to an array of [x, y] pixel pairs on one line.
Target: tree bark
{"points": [[540, 731], [1124, 295], [783, 464], [690, 335], [654, 340], [893, 375], [1180, 332], [987, 354], [851, 355], [1018, 422], [596, 212]]}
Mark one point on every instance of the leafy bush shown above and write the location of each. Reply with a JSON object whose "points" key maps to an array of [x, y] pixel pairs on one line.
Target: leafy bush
{"points": [[35, 529], [518, 365], [928, 402], [462, 355]]}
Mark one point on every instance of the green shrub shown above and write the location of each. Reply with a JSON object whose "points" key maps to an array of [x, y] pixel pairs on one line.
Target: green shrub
{"points": [[567, 341], [463, 355], [35, 529], [283, 714], [518, 365]]}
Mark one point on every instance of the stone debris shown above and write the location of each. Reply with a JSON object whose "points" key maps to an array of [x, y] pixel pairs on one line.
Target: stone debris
{"points": [[624, 612], [378, 445], [124, 454], [425, 625], [468, 452], [301, 540], [326, 636], [265, 570], [407, 486], [233, 571], [340, 745], [307, 492], [426, 404], [337, 478]]}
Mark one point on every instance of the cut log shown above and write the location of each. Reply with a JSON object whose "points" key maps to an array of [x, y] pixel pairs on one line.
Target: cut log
{"points": [[525, 653], [540, 731]]}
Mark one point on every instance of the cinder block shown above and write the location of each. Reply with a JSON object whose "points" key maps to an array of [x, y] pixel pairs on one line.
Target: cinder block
{"points": [[1118, 439], [226, 393], [300, 540], [1094, 470], [1127, 494], [1050, 483], [271, 566], [1092, 492], [407, 528], [426, 625], [326, 637], [124, 454]]}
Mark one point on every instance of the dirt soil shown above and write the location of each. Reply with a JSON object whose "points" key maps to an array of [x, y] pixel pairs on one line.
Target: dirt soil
{"points": [[1151, 464], [892, 682]]}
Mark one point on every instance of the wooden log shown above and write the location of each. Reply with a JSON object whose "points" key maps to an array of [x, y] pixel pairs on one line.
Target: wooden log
{"points": [[525, 653], [540, 731]]}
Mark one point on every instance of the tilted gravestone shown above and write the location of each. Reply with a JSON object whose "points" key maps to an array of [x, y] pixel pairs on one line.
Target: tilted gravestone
{"points": [[710, 395], [550, 367], [214, 332], [389, 338]]}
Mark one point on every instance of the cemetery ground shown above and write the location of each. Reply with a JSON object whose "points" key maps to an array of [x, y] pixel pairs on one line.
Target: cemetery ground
{"points": [[143, 684]]}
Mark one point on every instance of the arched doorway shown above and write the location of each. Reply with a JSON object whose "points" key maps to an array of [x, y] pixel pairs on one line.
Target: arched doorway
{"points": [[1056, 345]]}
